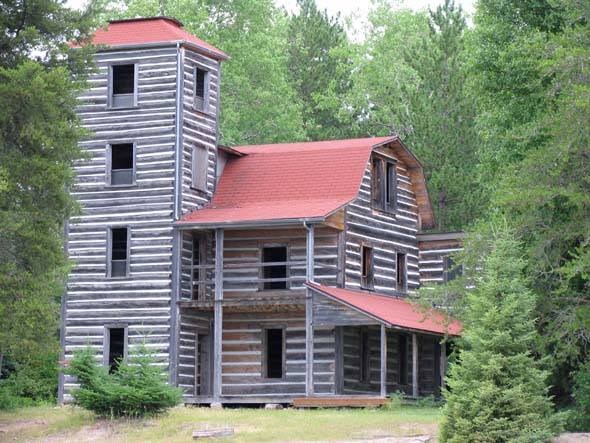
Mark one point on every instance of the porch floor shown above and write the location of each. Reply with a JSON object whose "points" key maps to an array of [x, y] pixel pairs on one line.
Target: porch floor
{"points": [[340, 401]]}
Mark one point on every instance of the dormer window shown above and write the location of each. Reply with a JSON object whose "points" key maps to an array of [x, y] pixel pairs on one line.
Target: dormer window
{"points": [[383, 184], [123, 86], [201, 89]]}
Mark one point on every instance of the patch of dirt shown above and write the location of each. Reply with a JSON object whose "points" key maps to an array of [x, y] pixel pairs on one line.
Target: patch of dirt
{"points": [[573, 437], [100, 432], [15, 426]]}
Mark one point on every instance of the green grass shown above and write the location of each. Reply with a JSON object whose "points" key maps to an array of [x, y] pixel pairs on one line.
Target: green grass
{"points": [[251, 425]]}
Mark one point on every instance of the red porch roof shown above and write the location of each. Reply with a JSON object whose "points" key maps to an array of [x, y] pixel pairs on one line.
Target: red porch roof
{"points": [[391, 310], [138, 31], [288, 181]]}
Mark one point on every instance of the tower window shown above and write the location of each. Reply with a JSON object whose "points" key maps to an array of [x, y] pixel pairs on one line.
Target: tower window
{"points": [[200, 168], [119, 252], [366, 267], [123, 86], [121, 159], [401, 272], [201, 89], [274, 353], [274, 269], [117, 344]]}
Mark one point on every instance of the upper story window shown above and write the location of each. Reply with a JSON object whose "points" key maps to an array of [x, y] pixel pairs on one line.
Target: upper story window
{"points": [[201, 89], [118, 252], [121, 164], [123, 86], [367, 267], [200, 168], [274, 267], [401, 272], [383, 184]]}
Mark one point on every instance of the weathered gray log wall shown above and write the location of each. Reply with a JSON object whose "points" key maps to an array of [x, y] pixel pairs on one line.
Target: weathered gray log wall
{"points": [[199, 128], [242, 355], [386, 233], [351, 362], [141, 301], [433, 268]]}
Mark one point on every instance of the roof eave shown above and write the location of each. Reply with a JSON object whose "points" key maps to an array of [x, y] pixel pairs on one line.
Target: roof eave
{"points": [[205, 51], [374, 317], [248, 224]]}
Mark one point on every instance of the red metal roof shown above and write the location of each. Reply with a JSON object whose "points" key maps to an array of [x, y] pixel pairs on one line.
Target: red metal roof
{"points": [[288, 181], [392, 310], [150, 30]]}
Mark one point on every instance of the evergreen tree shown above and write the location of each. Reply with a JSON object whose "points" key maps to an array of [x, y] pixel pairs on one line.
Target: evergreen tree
{"points": [[319, 65], [496, 389], [40, 77]]}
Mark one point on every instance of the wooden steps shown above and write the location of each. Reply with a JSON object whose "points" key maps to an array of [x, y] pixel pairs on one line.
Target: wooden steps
{"points": [[340, 401]]}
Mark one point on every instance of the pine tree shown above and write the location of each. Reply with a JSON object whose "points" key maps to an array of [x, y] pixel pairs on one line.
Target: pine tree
{"points": [[497, 390], [319, 65]]}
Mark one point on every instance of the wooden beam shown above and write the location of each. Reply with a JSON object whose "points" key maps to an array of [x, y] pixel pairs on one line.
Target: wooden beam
{"points": [[218, 313], [339, 360], [383, 361], [415, 366], [309, 312]]}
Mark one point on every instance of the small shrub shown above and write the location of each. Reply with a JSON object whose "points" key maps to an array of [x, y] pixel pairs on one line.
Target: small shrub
{"points": [[579, 418], [137, 388], [396, 401]]}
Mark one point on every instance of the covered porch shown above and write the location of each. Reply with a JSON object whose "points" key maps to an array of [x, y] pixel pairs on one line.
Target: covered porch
{"points": [[382, 345]]}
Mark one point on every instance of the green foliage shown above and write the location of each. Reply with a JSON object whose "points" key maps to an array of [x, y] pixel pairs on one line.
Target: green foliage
{"points": [[580, 419], [319, 65], [497, 390], [259, 102], [137, 388], [422, 97], [40, 78], [544, 189]]}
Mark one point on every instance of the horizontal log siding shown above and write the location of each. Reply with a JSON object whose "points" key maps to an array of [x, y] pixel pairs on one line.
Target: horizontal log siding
{"points": [[432, 257], [242, 355], [243, 246], [198, 129], [141, 300], [351, 362], [386, 233], [192, 322]]}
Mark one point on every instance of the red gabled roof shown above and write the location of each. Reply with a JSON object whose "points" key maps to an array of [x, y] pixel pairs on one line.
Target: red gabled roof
{"points": [[392, 310], [138, 31], [288, 181]]}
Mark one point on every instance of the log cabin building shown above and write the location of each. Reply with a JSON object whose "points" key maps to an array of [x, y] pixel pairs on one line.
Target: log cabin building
{"points": [[273, 273]]}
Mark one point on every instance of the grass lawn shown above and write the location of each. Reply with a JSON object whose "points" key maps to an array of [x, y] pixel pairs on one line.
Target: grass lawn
{"points": [[65, 424]]}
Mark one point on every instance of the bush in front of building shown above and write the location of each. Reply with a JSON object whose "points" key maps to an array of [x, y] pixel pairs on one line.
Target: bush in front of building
{"points": [[136, 388]]}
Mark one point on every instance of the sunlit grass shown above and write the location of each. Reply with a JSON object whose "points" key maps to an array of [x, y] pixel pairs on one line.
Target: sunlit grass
{"points": [[250, 425]]}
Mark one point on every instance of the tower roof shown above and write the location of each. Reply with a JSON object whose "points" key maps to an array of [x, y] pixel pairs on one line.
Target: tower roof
{"points": [[151, 30]]}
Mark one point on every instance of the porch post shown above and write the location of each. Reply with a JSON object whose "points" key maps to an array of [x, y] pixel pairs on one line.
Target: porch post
{"points": [[309, 275], [218, 314], [415, 366], [383, 361]]}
